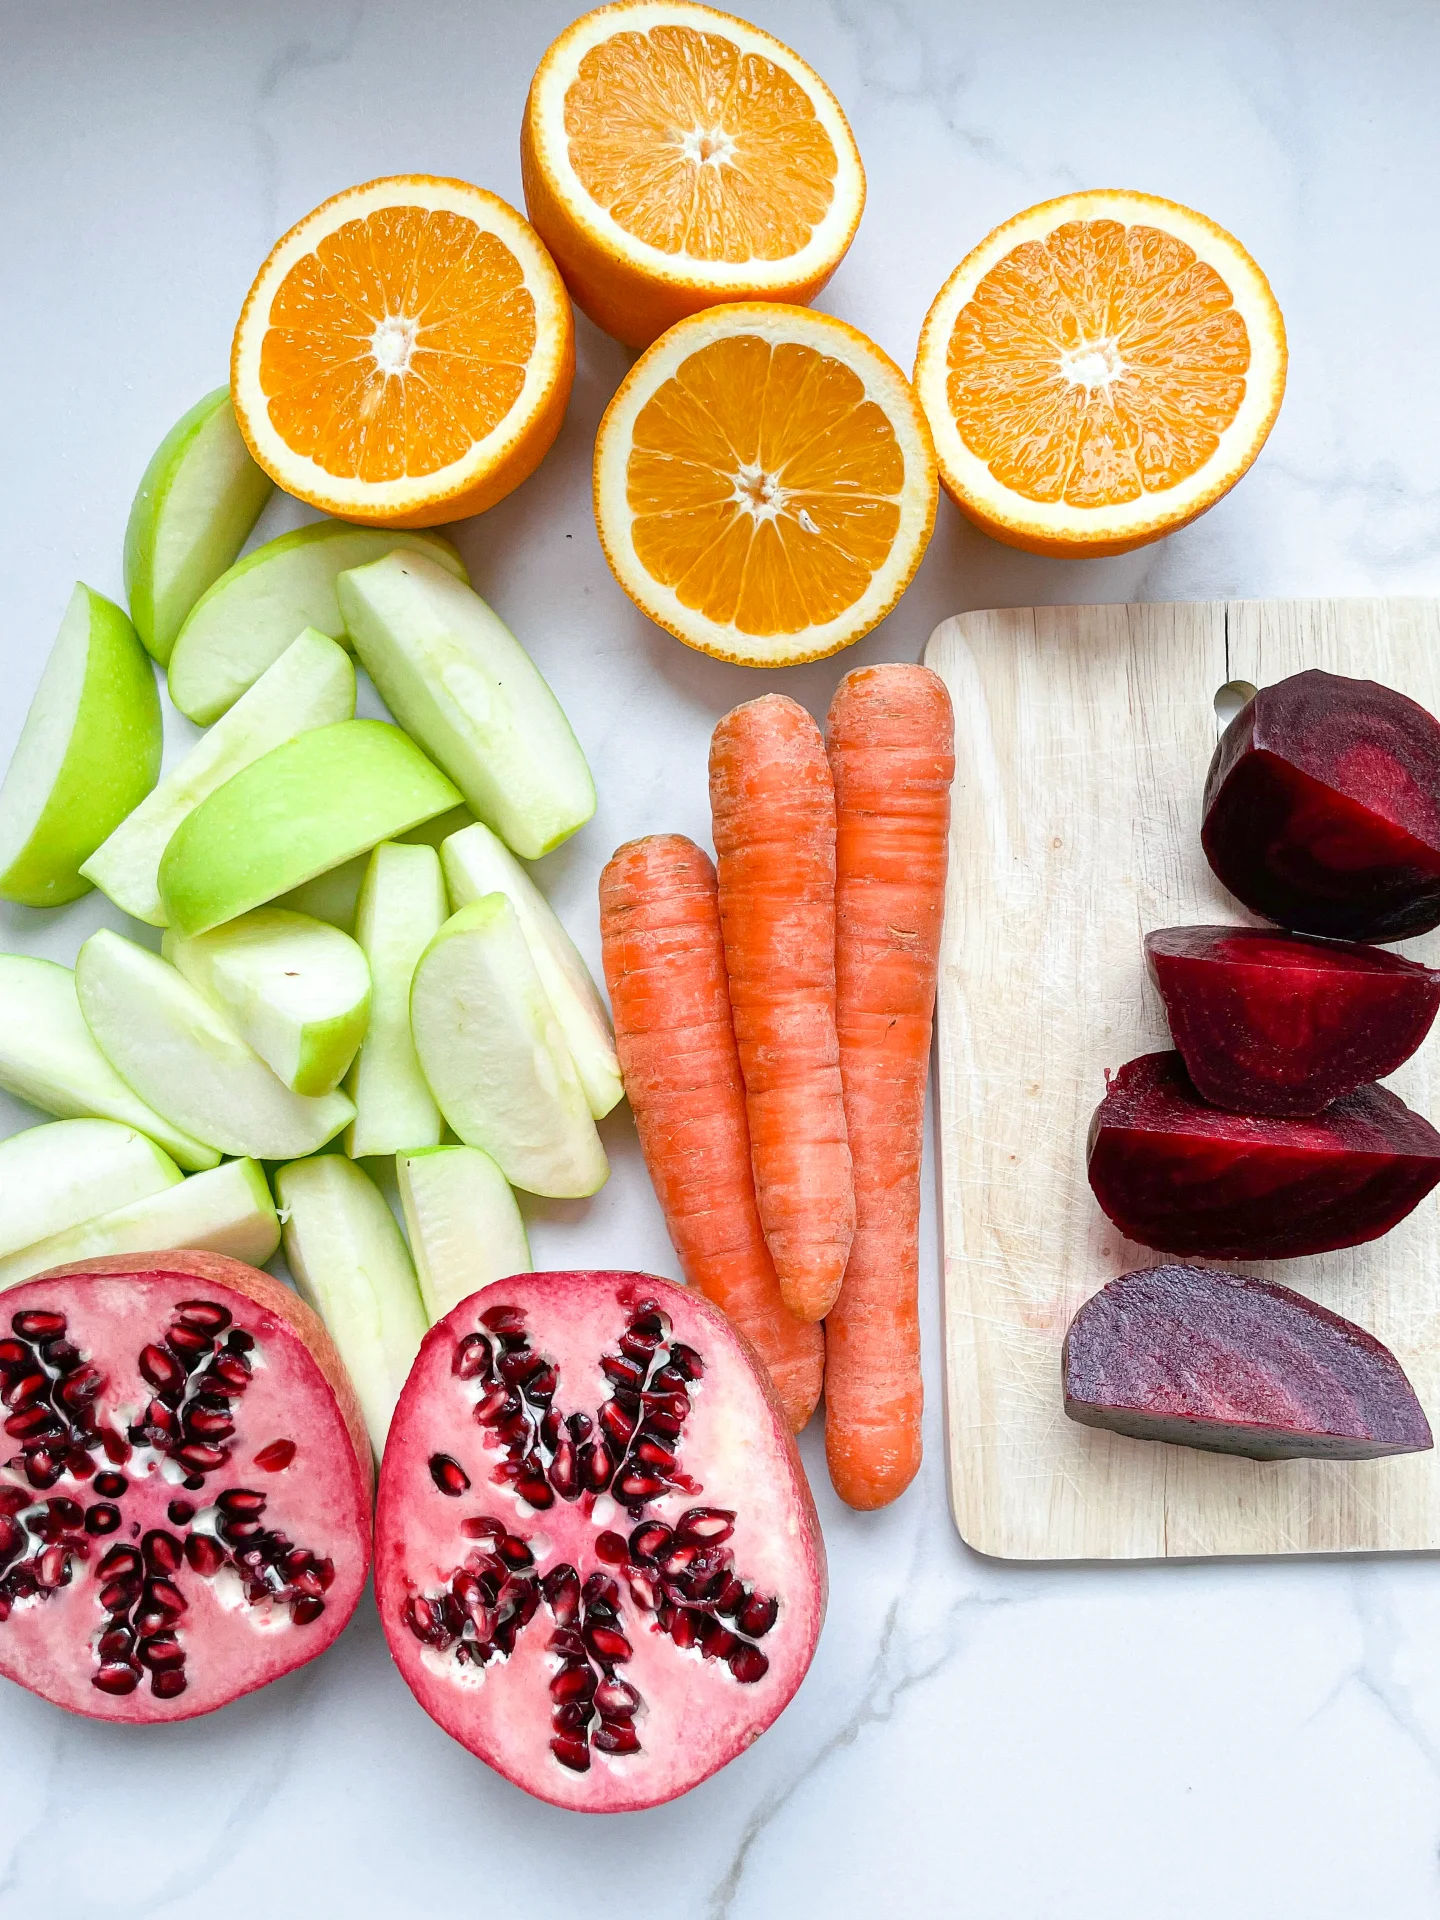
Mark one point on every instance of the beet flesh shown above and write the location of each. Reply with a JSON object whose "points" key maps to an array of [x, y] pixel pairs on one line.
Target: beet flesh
{"points": [[1184, 1177], [1282, 1024], [1235, 1365], [1322, 808]]}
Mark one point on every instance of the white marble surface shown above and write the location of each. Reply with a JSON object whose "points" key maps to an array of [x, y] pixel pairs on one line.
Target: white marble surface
{"points": [[1254, 1740]]}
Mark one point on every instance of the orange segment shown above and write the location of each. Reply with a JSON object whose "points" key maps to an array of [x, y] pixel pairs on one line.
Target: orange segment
{"points": [[405, 353], [675, 156], [1099, 371], [764, 483]]}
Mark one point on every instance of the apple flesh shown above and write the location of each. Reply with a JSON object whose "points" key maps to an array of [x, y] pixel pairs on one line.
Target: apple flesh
{"points": [[460, 683], [1236, 1365], [227, 1210], [184, 1057], [49, 1057], [1179, 1175], [495, 1059], [88, 754], [248, 618], [477, 862], [1322, 809], [200, 496], [303, 808], [464, 1226], [56, 1177], [1282, 1024], [350, 1263], [311, 685], [402, 908], [335, 896]]}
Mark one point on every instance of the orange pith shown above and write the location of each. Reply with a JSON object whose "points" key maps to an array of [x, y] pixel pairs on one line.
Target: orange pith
{"points": [[1099, 364], [764, 485], [698, 148], [397, 344]]}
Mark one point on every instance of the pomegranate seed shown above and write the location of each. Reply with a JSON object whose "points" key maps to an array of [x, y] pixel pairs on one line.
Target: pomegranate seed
{"points": [[204, 1555], [616, 1736], [638, 1346], [472, 1356], [617, 1422], [160, 1421], [12, 1538], [643, 1590], [276, 1457], [564, 1475], [161, 1650], [635, 1486], [305, 1608], [209, 1422], [517, 1367], [504, 1319], [625, 1373], [34, 1422], [179, 1512], [42, 1469], [535, 1488], [119, 1594], [597, 1466], [13, 1353], [163, 1552], [669, 1426], [731, 1597], [705, 1523], [567, 1643], [102, 1518], [233, 1369], [607, 1643], [324, 1571], [167, 1685], [655, 1456], [14, 1499], [616, 1699], [116, 1677], [207, 1314], [36, 1324], [561, 1587], [571, 1717], [573, 1682], [53, 1568], [241, 1500], [581, 1427], [162, 1370], [79, 1461], [117, 1448], [601, 1591], [718, 1642], [200, 1457], [449, 1476], [25, 1389], [493, 1405], [119, 1564], [611, 1548], [237, 1531], [116, 1643], [111, 1485], [482, 1528], [686, 1361], [687, 1628], [514, 1552], [164, 1595], [572, 1750], [748, 1664], [757, 1616], [239, 1341], [649, 1540], [190, 1344], [65, 1513]]}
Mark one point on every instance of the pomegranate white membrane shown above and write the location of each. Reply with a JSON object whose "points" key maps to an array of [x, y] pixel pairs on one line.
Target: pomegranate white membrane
{"points": [[185, 1514], [597, 1560]]}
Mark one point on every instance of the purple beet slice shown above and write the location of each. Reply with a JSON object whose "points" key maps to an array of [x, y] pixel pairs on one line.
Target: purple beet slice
{"points": [[1282, 1024], [1184, 1177], [1322, 808], [1236, 1365]]}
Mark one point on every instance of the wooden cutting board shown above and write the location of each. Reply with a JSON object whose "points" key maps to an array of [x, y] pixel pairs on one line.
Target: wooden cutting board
{"points": [[1083, 737]]}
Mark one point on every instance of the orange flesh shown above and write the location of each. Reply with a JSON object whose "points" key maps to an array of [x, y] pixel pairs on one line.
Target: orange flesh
{"points": [[1099, 364], [395, 346], [697, 148], [765, 486]]}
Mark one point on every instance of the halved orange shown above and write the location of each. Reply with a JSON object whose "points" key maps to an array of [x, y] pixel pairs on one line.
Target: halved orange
{"points": [[405, 354], [1099, 371], [675, 157], [764, 483]]}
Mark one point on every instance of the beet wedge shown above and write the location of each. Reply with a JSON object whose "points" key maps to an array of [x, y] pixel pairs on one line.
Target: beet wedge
{"points": [[1282, 1024], [1322, 808], [1235, 1365], [1183, 1177]]}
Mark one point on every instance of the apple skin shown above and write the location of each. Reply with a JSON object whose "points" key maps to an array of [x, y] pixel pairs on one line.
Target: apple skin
{"points": [[199, 497], [246, 620], [402, 907], [464, 1225], [301, 809], [88, 755], [56, 1177]]}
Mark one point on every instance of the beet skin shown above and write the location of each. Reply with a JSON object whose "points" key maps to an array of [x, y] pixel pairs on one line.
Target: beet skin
{"points": [[1235, 1365]]}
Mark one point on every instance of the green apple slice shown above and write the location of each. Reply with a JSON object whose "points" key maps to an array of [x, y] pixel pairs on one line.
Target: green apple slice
{"points": [[455, 677], [465, 1228], [350, 1263], [402, 908], [495, 1058], [200, 496], [56, 1177], [311, 685], [182, 1055], [335, 896], [300, 810], [297, 990], [48, 1057], [478, 862], [252, 613], [89, 753], [227, 1210]]}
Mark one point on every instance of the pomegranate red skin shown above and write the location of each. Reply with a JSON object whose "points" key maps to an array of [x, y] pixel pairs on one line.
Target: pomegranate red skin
{"points": [[1236, 1365], [1181, 1176], [1322, 809], [299, 1409], [1282, 1024], [736, 1442]]}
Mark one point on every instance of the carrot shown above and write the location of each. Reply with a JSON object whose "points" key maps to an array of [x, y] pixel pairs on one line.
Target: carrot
{"points": [[665, 968], [891, 741], [772, 802]]}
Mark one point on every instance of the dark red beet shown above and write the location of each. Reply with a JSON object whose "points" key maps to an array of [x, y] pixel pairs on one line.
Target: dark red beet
{"points": [[1281, 1024], [1183, 1177], [1236, 1365], [1322, 808]]}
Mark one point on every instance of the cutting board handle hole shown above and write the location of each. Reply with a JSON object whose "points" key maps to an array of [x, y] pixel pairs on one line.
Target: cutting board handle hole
{"points": [[1231, 698]]}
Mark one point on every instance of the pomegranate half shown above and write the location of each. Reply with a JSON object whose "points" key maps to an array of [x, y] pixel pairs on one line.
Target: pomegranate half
{"points": [[186, 1514], [597, 1561]]}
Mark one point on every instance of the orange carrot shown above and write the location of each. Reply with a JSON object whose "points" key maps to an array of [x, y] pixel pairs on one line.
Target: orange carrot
{"points": [[892, 750], [772, 802], [665, 968]]}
